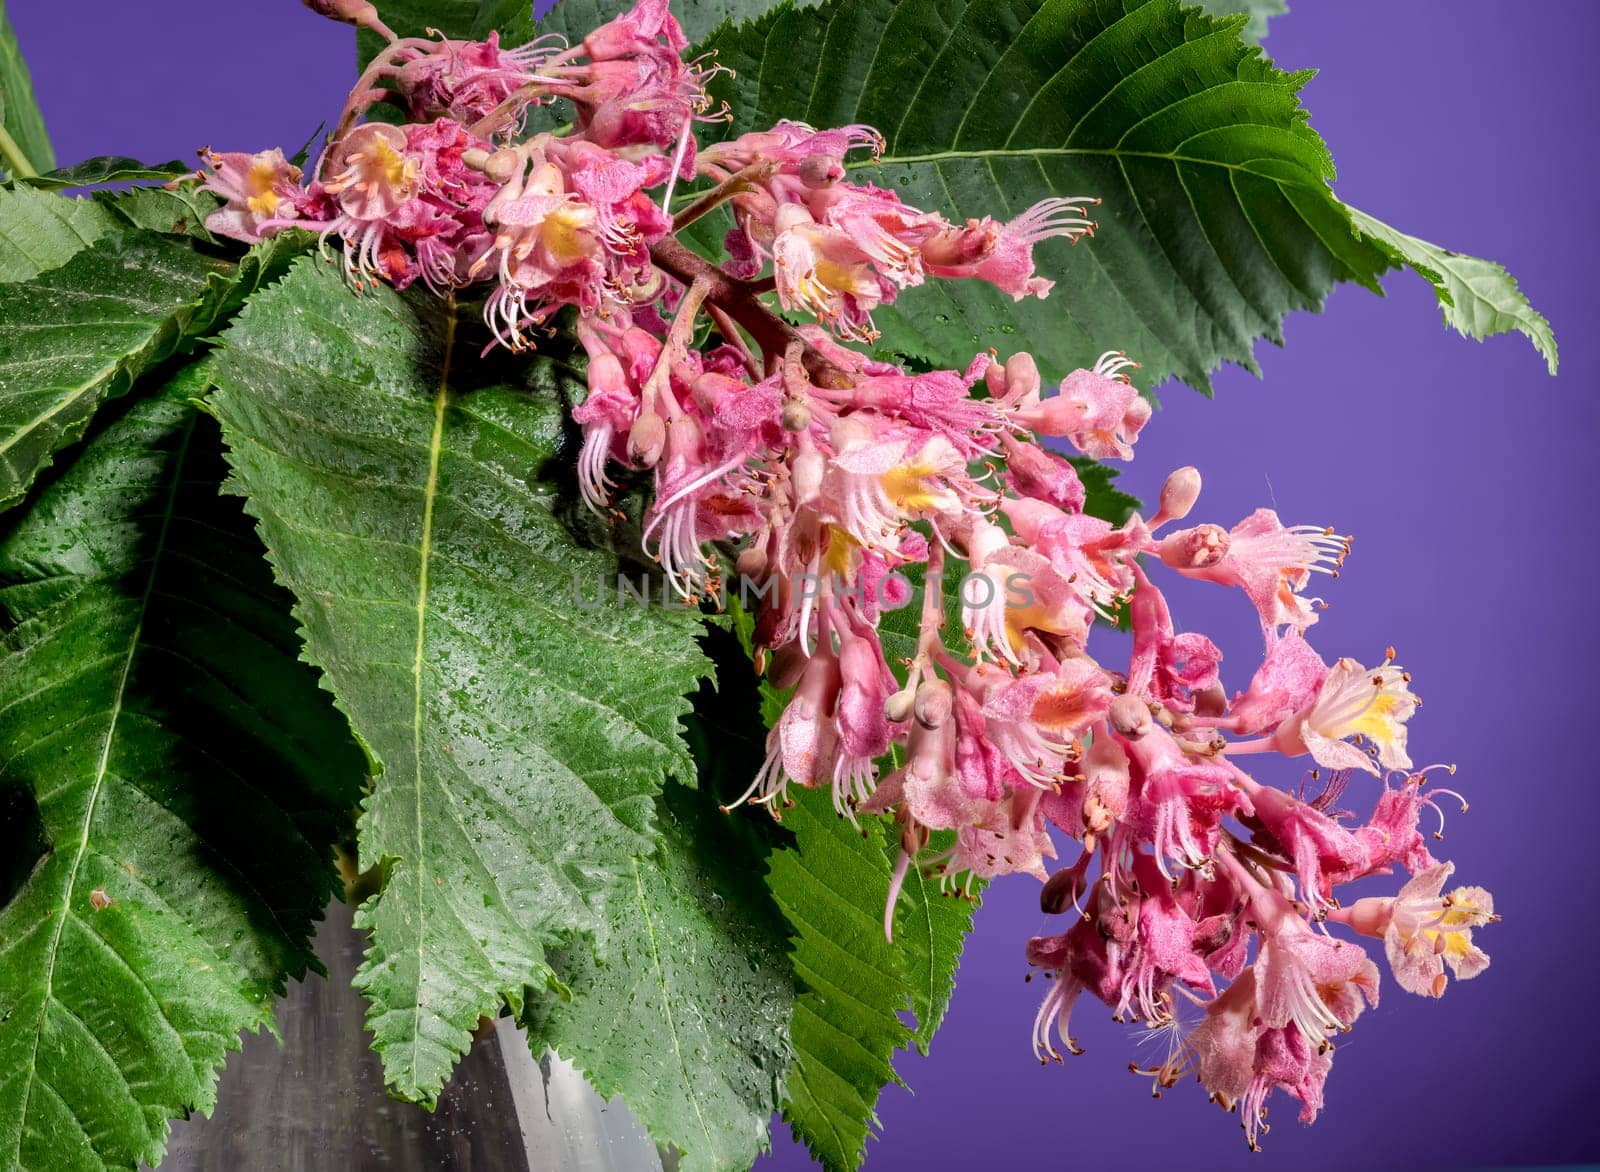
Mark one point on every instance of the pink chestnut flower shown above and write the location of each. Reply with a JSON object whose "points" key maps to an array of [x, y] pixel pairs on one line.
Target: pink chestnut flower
{"points": [[1372, 704], [257, 189], [1423, 931], [1002, 254], [1269, 562], [1098, 410]]}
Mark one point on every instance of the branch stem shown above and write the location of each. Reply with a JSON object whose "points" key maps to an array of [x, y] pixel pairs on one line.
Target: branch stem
{"points": [[740, 301], [16, 162], [739, 182]]}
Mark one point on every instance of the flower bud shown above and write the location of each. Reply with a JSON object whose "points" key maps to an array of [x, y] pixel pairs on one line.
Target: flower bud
{"points": [[752, 562], [1022, 377], [1061, 891], [356, 12], [796, 415], [1129, 715], [646, 438], [820, 170], [933, 703], [897, 707], [1178, 495], [1199, 548], [501, 166]]}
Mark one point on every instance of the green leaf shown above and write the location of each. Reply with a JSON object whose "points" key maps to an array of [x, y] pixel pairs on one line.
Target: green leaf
{"points": [[575, 19], [184, 777], [179, 212], [1101, 496], [1259, 12], [1478, 297], [78, 335], [408, 501], [832, 885], [931, 926], [1217, 218], [106, 169], [40, 231], [21, 123], [687, 1019]]}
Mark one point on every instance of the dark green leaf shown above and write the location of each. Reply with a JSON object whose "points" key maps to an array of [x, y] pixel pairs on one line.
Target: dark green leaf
{"points": [[186, 778], [20, 120], [40, 231], [687, 1019], [521, 738], [931, 926], [77, 335], [107, 169], [1217, 217], [832, 885], [179, 212]]}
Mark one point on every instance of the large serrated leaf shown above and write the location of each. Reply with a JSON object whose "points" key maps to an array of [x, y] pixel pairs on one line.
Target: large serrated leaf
{"points": [[77, 335], [40, 231], [20, 119], [1217, 219], [107, 169], [688, 1018], [521, 738], [184, 778], [832, 884]]}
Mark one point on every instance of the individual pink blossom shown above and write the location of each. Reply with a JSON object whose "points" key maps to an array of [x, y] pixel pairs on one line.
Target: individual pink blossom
{"points": [[1098, 409], [1424, 931], [1270, 563], [1002, 254], [255, 189], [1372, 704]]}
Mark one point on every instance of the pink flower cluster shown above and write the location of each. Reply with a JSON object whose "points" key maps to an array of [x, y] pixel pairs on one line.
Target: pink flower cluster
{"points": [[836, 484]]}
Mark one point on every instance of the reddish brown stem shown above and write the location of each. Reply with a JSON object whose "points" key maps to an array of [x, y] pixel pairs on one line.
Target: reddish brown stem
{"points": [[740, 301]]}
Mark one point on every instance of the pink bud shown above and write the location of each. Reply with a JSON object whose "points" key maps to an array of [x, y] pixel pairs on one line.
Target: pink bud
{"points": [[502, 165], [1061, 890], [820, 170], [796, 415], [1178, 494], [646, 438], [752, 562], [356, 12], [1022, 378], [1129, 715], [897, 707], [933, 704]]}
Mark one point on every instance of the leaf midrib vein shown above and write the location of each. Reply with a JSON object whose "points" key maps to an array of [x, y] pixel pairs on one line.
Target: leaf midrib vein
{"points": [[1055, 152], [424, 550]]}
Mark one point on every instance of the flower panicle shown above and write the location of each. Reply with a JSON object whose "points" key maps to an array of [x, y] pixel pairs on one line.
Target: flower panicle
{"points": [[1203, 902]]}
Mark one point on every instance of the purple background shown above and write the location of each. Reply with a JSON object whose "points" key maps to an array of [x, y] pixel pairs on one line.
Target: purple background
{"points": [[1466, 474]]}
